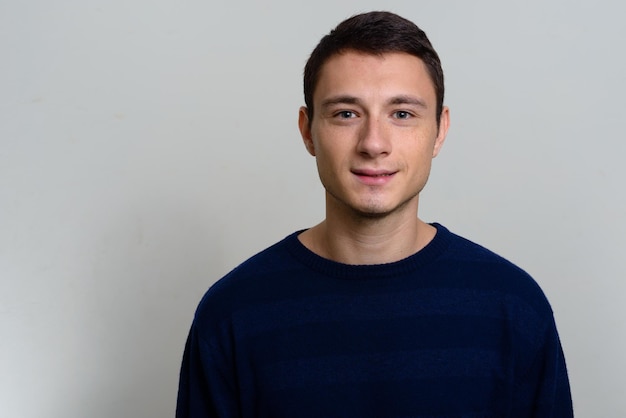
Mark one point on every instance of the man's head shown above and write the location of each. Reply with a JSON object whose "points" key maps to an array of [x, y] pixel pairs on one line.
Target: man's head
{"points": [[373, 33]]}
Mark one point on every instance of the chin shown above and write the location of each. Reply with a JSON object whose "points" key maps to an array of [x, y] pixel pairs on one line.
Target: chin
{"points": [[377, 210], [373, 211], [370, 207]]}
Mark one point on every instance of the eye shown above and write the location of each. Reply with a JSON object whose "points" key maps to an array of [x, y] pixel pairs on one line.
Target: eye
{"points": [[345, 114], [402, 114]]}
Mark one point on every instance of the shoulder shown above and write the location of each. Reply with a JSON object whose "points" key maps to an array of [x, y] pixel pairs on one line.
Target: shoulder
{"points": [[251, 281], [499, 289], [462, 249], [471, 262]]}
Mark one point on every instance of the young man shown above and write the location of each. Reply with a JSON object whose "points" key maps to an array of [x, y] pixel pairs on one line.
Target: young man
{"points": [[372, 312]]}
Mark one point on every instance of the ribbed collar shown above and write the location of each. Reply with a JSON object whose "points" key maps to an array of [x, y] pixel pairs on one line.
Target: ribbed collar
{"points": [[426, 255]]}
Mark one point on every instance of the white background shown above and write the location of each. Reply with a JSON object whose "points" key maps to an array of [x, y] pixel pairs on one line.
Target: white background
{"points": [[149, 146]]}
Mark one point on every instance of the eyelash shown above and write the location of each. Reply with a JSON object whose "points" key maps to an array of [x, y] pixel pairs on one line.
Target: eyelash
{"points": [[345, 114], [400, 114], [406, 114]]}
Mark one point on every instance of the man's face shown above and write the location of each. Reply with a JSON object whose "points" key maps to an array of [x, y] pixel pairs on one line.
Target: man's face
{"points": [[374, 131]]}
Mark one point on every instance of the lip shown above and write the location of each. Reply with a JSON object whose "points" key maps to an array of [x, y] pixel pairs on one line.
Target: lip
{"points": [[373, 177]]}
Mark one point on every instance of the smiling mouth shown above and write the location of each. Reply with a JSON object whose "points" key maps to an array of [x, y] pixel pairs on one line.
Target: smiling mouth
{"points": [[374, 178], [373, 174]]}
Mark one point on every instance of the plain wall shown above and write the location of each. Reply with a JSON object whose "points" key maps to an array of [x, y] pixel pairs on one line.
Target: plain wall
{"points": [[148, 147]]}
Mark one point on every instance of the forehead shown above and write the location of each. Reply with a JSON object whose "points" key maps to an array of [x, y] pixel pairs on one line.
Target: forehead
{"points": [[363, 74]]}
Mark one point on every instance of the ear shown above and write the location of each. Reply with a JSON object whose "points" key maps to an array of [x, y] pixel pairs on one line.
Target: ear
{"points": [[444, 124], [305, 130]]}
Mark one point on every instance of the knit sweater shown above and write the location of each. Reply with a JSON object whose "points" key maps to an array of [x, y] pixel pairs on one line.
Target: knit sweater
{"points": [[451, 331]]}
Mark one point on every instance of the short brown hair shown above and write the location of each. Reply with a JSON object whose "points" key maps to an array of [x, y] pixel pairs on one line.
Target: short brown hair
{"points": [[374, 33]]}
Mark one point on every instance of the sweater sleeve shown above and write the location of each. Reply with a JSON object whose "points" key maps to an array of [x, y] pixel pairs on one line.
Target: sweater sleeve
{"points": [[544, 390], [207, 386]]}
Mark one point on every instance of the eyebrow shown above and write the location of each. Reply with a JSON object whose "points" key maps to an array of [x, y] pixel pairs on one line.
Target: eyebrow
{"points": [[395, 100], [406, 99], [342, 99]]}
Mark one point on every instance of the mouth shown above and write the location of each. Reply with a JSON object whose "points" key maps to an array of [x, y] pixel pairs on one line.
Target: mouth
{"points": [[373, 177], [373, 173]]}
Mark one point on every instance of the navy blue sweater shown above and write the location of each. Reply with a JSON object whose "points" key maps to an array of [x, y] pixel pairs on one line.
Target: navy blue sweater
{"points": [[451, 331]]}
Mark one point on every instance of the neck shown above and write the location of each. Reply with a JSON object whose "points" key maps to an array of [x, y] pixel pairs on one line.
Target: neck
{"points": [[351, 238]]}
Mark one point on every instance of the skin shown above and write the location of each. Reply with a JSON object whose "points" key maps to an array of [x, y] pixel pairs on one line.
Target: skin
{"points": [[374, 134]]}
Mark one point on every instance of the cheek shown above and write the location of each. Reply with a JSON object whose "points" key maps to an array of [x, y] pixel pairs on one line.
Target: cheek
{"points": [[332, 162], [324, 163]]}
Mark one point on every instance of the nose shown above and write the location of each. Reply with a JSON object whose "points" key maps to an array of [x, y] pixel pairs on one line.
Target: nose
{"points": [[374, 140]]}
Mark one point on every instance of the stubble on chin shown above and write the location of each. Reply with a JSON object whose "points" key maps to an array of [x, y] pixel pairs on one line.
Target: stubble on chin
{"points": [[371, 209]]}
